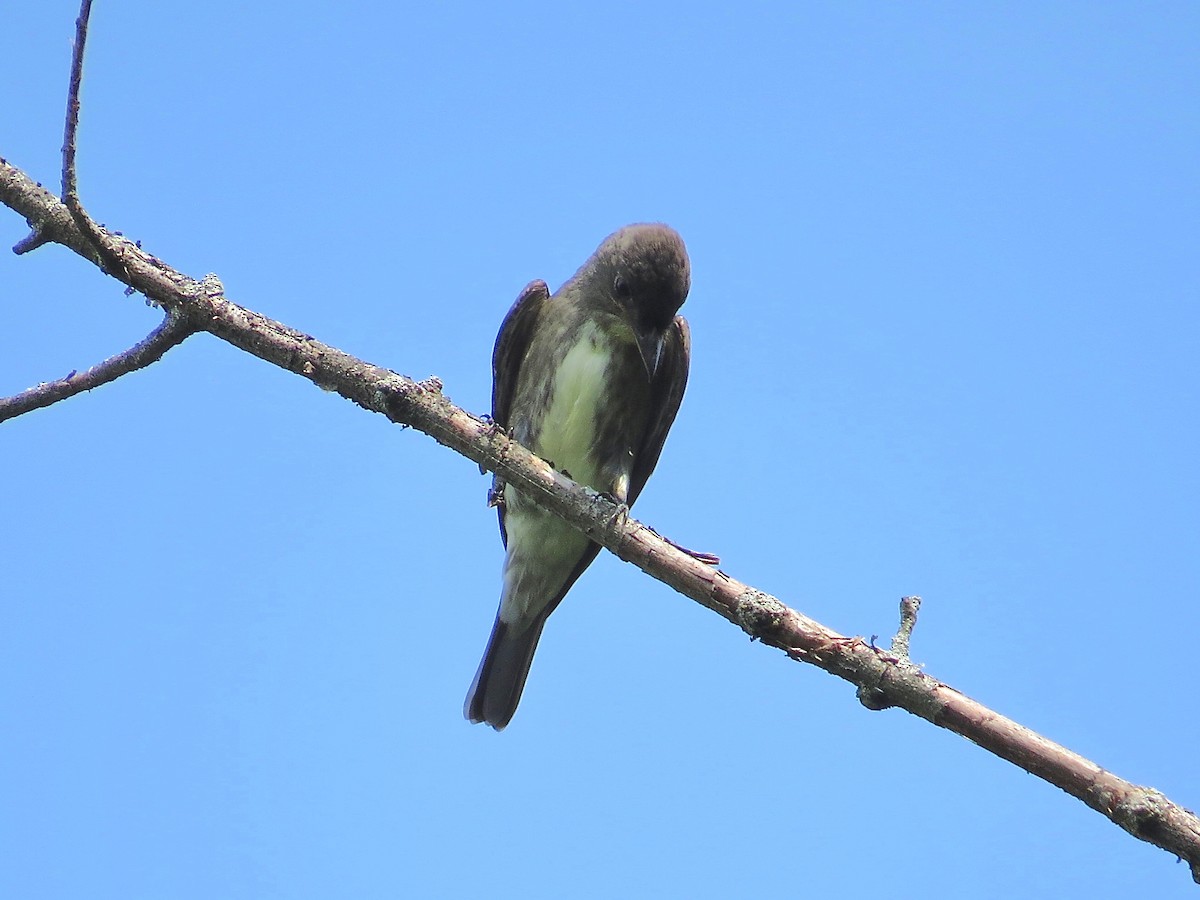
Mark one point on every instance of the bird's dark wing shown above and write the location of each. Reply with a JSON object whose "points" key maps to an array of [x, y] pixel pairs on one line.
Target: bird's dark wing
{"points": [[666, 393], [511, 343], [516, 331]]}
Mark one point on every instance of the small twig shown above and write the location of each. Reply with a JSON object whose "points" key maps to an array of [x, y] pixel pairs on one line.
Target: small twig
{"points": [[31, 242], [908, 621], [874, 695], [171, 331], [71, 129], [104, 245], [709, 559]]}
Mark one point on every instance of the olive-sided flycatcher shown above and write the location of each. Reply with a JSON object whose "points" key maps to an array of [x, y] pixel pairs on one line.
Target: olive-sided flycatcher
{"points": [[590, 380]]}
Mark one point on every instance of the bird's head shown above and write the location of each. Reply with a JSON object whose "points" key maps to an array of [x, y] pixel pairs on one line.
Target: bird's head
{"points": [[646, 272]]}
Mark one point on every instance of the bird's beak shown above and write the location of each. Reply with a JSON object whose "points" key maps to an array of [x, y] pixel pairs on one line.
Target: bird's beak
{"points": [[650, 345]]}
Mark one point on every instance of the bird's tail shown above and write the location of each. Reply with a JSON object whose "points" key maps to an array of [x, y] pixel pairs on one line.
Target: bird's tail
{"points": [[498, 684]]}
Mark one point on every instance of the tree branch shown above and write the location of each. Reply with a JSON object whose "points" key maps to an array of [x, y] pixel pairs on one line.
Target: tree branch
{"points": [[174, 327], [888, 680], [891, 681]]}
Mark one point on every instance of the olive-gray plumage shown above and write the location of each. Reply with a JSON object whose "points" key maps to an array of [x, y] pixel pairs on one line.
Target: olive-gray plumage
{"points": [[590, 379]]}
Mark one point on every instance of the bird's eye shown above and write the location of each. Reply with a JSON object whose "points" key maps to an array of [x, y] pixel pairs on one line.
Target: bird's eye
{"points": [[621, 287]]}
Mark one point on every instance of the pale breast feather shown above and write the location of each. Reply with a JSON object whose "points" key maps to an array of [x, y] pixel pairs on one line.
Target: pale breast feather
{"points": [[567, 436]]}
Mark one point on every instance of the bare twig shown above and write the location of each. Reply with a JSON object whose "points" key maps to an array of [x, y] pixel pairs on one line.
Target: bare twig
{"points": [[909, 607], [1143, 812], [872, 696], [71, 129], [30, 242], [170, 332], [70, 186], [50, 221], [103, 252]]}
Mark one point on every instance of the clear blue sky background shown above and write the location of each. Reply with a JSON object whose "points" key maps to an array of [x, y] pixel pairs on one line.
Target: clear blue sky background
{"points": [[946, 320]]}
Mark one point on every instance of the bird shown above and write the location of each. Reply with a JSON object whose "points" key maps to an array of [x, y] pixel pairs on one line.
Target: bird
{"points": [[589, 379]]}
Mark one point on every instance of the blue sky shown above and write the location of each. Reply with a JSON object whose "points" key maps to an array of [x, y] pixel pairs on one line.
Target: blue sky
{"points": [[946, 341]]}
